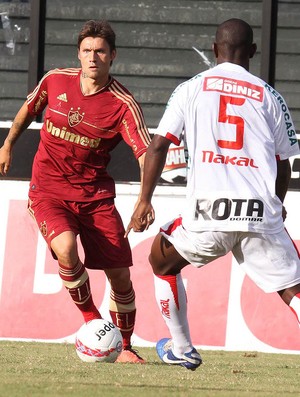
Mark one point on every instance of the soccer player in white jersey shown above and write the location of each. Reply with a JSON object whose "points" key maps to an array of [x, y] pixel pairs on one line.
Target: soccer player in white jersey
{"points": [[239, 135]]}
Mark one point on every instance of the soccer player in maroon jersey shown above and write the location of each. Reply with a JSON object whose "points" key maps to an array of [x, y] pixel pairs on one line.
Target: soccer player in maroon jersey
{"points": [[87, 113]]}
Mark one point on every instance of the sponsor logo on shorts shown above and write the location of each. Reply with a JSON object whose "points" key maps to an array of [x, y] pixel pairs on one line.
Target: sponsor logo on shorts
{"points": [[249, 210]]}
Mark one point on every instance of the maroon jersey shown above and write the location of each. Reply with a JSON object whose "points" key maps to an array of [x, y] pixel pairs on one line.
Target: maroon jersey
{"points": [[78, 134]]}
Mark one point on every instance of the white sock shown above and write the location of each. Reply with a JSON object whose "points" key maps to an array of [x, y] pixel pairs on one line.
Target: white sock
{"points": [[171, 299], [295, 306]]}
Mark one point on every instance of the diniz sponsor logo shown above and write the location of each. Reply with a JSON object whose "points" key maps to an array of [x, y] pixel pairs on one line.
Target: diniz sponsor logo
{"points": [[250, 210], [68, 136], [231, 86], [175, 159], [165, 307], [211, 157]]}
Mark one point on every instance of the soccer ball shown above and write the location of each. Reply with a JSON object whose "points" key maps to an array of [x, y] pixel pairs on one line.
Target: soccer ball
{"points": [[98, 340]]}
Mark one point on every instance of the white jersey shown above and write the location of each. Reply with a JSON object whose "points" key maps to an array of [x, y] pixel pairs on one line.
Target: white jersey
{"points": [[235, 126]]}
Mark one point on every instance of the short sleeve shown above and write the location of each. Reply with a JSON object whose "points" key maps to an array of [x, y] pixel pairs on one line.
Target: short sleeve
{"points": [[37, 100], [171, 125], [286, 142]]}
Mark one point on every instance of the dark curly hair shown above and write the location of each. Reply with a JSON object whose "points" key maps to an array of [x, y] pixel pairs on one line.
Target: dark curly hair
{"points": [[98, 29]]}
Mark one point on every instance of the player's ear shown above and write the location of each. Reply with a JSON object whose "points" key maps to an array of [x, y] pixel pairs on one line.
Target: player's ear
{"points": [[113, 55], [253, 49], [215, 49]]}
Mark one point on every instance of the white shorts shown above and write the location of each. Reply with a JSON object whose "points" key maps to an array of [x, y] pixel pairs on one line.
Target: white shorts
{"points": [[270, 260]]}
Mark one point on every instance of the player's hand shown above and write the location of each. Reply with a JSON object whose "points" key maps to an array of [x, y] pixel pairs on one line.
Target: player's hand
{"points": [[5, 160], [142, 217], [284, 213]]}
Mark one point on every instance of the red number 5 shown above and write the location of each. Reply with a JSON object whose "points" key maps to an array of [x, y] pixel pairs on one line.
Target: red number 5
{"points": [[238, 121]]}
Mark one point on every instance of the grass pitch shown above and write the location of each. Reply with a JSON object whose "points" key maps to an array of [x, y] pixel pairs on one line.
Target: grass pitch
{"points": [[31, 369]]}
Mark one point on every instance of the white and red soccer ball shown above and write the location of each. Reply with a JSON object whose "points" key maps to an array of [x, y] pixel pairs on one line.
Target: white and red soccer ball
{"points": [[98, 340]]}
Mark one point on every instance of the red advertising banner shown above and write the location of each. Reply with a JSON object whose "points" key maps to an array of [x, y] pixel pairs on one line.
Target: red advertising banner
{"points": [[226, 310]]}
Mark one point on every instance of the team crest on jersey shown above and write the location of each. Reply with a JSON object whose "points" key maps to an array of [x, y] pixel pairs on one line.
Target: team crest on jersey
{"points": [[74, 117], [43, 228]]}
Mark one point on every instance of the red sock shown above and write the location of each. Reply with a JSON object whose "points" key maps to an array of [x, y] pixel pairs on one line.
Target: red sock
{"points": [[122, 311], [77, 282]]}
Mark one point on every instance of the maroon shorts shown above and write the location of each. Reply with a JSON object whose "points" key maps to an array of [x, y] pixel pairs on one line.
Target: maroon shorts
{"points": [[98, 223]]}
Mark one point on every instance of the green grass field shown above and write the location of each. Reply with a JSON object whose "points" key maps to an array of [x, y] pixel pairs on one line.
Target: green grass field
{"points": [[31, 369]]}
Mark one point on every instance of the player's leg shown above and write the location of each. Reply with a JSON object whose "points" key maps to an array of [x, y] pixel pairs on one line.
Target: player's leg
{"points": [[122, 302], [123, 310], [74, 274], [172, 250], [59, 228], [278, 271], [170, 295], [170, 292], [291, 296], [106, 248]]}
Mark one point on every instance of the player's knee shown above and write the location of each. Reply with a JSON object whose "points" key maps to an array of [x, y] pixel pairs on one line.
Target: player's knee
{"points": [[66, 254], [119, 278], [287, 294], [65, 249], [159, 267]]}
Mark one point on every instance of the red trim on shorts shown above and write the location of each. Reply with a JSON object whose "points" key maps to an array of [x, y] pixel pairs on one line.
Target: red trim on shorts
{"points": [[174, 225]]}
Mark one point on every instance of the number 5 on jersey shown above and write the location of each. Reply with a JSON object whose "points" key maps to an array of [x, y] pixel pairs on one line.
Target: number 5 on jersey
{"points": [[236, 120]]}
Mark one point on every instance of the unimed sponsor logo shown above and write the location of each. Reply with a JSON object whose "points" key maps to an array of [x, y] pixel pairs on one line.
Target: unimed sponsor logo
{"points": [[232, 86]]}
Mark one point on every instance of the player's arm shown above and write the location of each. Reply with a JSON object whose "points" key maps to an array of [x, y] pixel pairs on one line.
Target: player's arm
{"points": [[283, 178], [282, 182], [19, 125], [154, 163], [141, 161]]}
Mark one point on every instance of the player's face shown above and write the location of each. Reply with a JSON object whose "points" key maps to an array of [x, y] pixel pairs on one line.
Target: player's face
{"points": [[95, 57]]}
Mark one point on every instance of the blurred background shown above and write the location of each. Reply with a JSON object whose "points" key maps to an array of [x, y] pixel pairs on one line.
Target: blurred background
{"points": [[160, 43]]}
